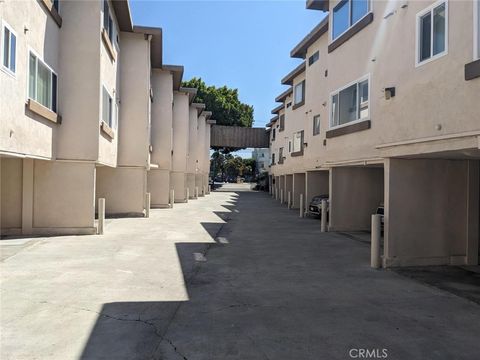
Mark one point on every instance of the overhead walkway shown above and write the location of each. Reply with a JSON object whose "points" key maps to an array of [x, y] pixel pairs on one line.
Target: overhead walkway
{"points": [[238, 137]]}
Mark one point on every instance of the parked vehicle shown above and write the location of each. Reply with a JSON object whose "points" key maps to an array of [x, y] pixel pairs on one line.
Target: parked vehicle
{"points": [[315, 206], [381, 211]]}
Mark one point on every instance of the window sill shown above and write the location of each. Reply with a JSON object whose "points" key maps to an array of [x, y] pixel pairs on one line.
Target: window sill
{"points": [[107, 130], [296, 106], [348, 129], [52, 11], [297, 153], [108, 44], [367, 19], [44, 112], [472, 70]]}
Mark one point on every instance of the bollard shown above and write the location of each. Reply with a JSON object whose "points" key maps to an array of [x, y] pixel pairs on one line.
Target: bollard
{"points": [[209, 189], [172, 197], [323, 216], [196, 192], [275, 193], [101, 216], [147, 204], [302, 209], [188, 195], [204, 191], [281, 196], [289, 200], [375, 261]]}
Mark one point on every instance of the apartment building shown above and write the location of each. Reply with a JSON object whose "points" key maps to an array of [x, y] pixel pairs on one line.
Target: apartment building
{"points": [[86, 113], [262, 159], [391, 117]]}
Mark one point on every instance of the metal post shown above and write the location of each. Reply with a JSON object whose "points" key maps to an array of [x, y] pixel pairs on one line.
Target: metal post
{"points": [[323, 216], [172, 197], [147, 204], [302, 209], [188, 195], [289, 200], [196, 192], [375, 261], [281, 196], [101, 216]]}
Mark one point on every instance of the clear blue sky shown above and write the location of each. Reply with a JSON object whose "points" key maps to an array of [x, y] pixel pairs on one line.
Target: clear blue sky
{"points": [[241, 44]]}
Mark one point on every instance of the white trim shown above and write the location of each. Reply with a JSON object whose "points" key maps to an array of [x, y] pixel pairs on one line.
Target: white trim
{"points": [[33, 52], [417, 33], [476, 30], [109, 123], [337, 91], [330, 20], [2, 42]]}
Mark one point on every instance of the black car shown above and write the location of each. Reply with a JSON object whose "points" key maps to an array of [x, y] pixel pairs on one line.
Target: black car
{"points": [[315, 206]]}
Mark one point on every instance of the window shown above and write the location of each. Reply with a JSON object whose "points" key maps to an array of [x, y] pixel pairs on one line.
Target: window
{"points": [[313, 58], [282, 122], [107, 108], [476, 29], [273, 159], [107, 20], [297, 143], [289, 104], [432, 31], [347, 13], [299, 97], [9, 49], [289, 146], [350, 104], [316, 125], [273, 135], [280, 155], [42, 83], [56, 4]]}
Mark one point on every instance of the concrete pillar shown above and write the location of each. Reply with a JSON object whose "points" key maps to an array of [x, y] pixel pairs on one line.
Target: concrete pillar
{"points": [[289, 200], [172, 197], [323, 216], [101, 216], [281, 196], [302, 207], [375, 260], [196, 192], [147, 204], [188, 194], [27, 196]]}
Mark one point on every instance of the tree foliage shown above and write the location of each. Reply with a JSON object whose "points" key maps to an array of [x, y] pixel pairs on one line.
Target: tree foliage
{"points": [[223, 102], [229, 166]]}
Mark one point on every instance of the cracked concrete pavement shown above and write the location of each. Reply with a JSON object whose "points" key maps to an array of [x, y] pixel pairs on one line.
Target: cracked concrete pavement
{"points": [[272, 287]]}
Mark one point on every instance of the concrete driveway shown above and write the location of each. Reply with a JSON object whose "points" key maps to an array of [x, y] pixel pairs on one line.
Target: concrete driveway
{"points": [[233, 275]]}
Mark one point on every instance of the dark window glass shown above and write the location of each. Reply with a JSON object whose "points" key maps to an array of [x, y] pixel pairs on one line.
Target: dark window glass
{"points": [[13, 50], [425, 36], [340, 18], [54, 92], [6, 46], [359, 10], [56, 4], [439, 29], [312, 59]]}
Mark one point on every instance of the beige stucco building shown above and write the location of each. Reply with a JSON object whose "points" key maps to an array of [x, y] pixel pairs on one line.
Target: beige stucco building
{"points": [[89, 121], [384, 110]]}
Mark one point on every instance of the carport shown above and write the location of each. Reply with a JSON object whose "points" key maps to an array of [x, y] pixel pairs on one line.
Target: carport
{"points": [[355, 194], [432, 212], [288, 187], [298, 189], [316, 183]]}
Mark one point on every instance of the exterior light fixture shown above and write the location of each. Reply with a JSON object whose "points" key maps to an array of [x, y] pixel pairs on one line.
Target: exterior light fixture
{"points": [[389, 93]]}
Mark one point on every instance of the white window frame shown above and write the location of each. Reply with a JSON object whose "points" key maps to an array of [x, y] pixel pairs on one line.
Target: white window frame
{"points": [[302, 85], [112, 98], [315, 117], [476, 30], [39, 58], [417, 34], [294, 137], [2, 42], [370, 10], [337, 92]]}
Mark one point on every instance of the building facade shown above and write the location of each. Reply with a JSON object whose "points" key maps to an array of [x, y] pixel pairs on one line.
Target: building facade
{"points": [[87, 111], [384, 111]]}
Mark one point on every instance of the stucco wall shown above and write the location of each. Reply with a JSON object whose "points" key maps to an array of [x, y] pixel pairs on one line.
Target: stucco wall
{"points": [[158, 185], [317, 183], [134, 119], [178, 181], [192, 140], [63, 194], [11, 180], [180, 131], [428, 207], [298, 188], [355, 194], [22, 131], [123, 189], [162, 117]]}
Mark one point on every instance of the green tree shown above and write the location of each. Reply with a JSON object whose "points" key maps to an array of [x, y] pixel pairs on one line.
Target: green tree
{"points": [[223, 102]]}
